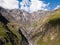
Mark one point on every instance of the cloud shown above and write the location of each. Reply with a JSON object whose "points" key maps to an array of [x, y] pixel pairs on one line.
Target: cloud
{"points": [[9, 4], [25, 5], [38, 5], [58, 6], [28, 5], [34, 5]]}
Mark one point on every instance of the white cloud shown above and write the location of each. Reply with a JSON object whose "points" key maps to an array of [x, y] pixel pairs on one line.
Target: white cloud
{"points": [[24, 5], [34, 5], [9, 4], [58, 6], [37, 5]]}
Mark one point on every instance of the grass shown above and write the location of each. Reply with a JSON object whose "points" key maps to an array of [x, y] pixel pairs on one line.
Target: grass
{"points": [[54, 18], [54, 15], [2, 29], [14, 30], [41, 42], [3, 33], [55, 41]]}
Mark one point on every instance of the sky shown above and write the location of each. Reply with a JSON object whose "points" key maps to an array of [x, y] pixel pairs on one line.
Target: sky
{"points": [[30, 5]]}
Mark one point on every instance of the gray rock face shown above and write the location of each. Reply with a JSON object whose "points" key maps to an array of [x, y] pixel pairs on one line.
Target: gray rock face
{"points": [[29, 21]]}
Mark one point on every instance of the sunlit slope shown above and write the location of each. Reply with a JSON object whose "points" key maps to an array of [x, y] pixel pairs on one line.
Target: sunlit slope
{"points": [[51, 35]]}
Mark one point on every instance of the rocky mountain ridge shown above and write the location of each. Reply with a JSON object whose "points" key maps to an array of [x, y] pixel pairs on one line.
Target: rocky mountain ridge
{"points": [[32, 26]]}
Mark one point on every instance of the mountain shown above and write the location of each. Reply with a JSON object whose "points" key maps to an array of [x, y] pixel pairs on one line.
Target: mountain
{"points": [[23, 28]]}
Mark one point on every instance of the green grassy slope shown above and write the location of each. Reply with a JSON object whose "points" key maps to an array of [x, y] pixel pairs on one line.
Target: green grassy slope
{"points": [[52, 25], [9, 35]]}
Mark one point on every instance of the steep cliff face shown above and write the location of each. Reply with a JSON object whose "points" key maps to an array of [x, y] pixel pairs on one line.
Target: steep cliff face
{"points": [[23, 28]]}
